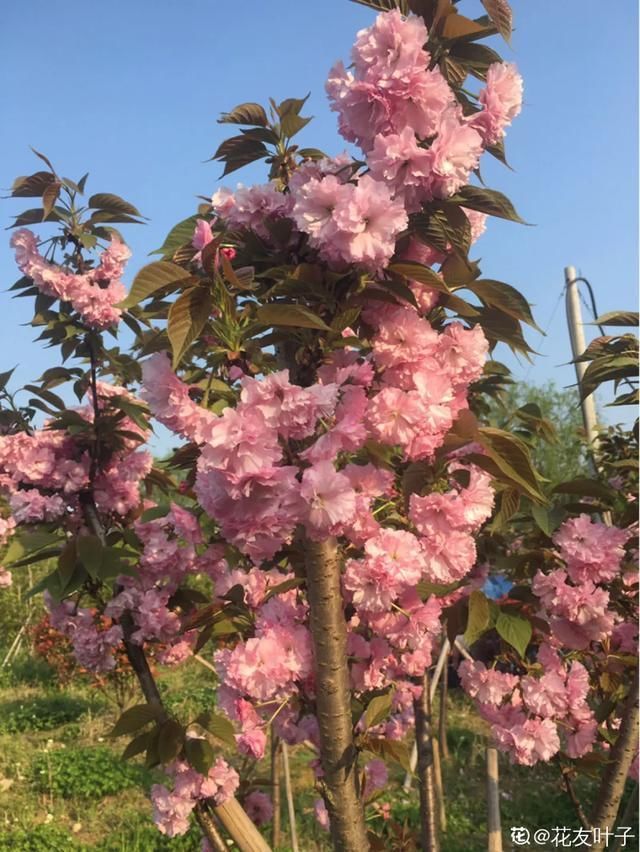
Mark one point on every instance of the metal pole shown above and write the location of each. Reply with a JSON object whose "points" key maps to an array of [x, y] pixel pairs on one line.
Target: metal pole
{"points": [[578, 346]]}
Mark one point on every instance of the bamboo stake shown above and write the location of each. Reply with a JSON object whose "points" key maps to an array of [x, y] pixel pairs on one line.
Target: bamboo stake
{"points": [[275, 791], [289, 793], [494, 831]]}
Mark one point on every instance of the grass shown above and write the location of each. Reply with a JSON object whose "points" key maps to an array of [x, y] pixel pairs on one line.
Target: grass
{"points": [[64, 787]]}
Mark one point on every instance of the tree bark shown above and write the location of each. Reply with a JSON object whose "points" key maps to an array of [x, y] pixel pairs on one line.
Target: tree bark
{"points": [[333, 697], [613, 782], [428, 799], [214, 837]]}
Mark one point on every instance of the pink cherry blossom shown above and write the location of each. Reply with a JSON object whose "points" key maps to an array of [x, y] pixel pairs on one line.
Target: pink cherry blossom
{"points": [[329, 498], [501, 100]]}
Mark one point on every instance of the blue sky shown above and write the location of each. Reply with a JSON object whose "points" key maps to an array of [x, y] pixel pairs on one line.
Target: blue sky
{"points": [[130, 91]]}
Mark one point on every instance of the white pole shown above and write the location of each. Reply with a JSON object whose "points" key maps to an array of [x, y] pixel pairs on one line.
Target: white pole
{"points": [[578, 346]]}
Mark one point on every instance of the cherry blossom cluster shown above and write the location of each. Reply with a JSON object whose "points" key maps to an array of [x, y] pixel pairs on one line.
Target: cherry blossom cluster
{"points": [[172, 808], [574, 597], [95, 294], [532, 717], [418, 143], [43, 472], [535, 715]]}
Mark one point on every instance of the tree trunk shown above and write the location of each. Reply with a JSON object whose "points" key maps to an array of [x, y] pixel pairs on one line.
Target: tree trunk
{"points": [[333, 697], [428, 798], [613, 782]]}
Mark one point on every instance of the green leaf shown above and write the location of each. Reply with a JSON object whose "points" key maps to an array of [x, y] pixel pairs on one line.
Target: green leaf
{"points": [[444, 226], [488, 201], [4, 378], [33, 217], [180, 235], [27, 542], [170, 740], [583, 486], [281, 588], [618, 318], [50, 196], [292, 124], [388, 750], [219, 726], [542, 518], [459, 271], [112, 204], [500, 13], [311, 153], [32, 186], [91, 553], [458, 26], [199, 754], [153, 277], [239, 151], [187, 317], [138, 745], [506, 298], [512, 457], [249, 113], [135, 718], [377, 710], [515, 630], [413, 271], [479, 618], [294, 316]]}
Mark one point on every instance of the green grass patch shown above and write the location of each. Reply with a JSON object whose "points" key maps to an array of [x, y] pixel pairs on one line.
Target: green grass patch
{"points": [[41, 713], [87, 773]]}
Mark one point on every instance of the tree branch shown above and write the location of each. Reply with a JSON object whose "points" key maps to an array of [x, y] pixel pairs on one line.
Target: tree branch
{"points": [[428, 798]]}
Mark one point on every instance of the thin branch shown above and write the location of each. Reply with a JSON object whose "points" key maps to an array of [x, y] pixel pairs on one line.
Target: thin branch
{"points": [[570, 790]]}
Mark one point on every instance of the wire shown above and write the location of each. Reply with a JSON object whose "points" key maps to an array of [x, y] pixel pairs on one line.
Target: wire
{"points": [[544, 333]]}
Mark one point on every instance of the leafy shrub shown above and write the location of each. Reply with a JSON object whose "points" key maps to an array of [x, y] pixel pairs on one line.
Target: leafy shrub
{"points": [[89, 773], [42, 838], [41, 713], [191, 698], [27, 671], [56, 650]]}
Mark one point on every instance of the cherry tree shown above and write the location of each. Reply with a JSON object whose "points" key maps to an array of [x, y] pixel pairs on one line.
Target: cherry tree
{"points": [[307, 342]]}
